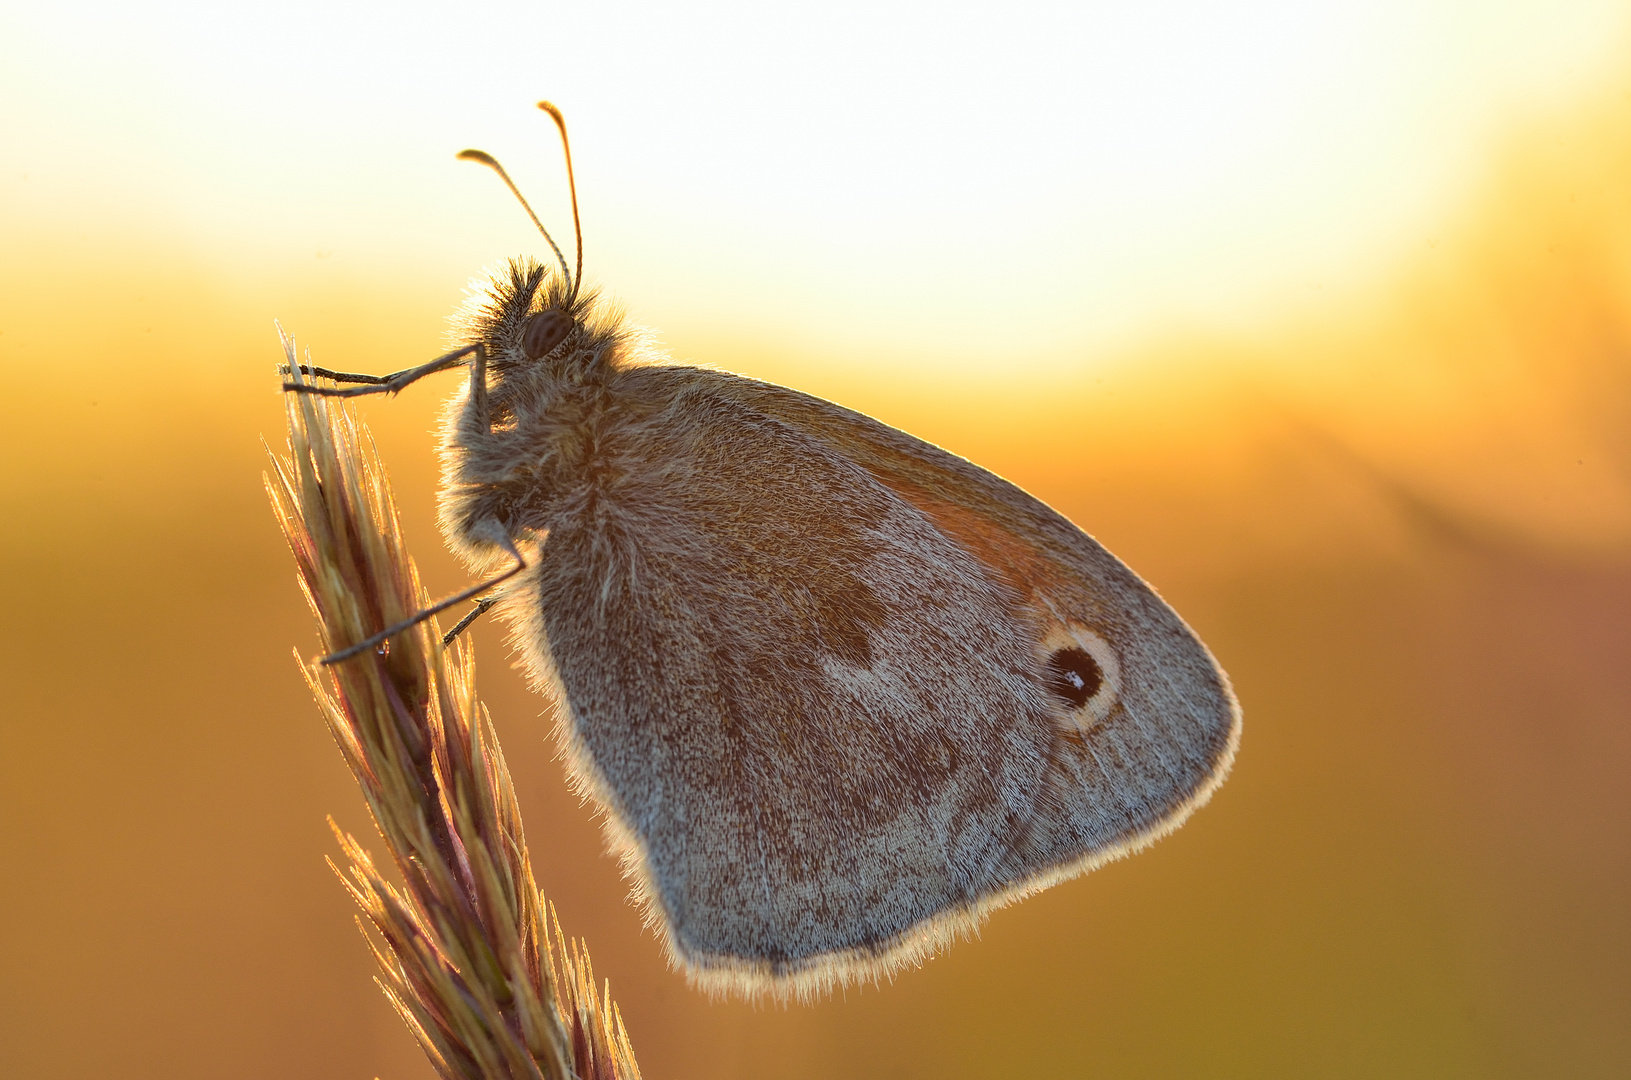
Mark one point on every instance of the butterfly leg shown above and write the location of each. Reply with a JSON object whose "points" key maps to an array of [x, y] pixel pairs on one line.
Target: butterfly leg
{"points": [[483, 605], [380, 384], [421, 616], [478, 389]]}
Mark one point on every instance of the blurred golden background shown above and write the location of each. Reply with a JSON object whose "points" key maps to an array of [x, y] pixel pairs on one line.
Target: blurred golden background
{"points": [[1321, 319]]}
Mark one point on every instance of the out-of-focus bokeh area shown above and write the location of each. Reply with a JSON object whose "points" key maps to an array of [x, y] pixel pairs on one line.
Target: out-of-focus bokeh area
{"points": [[1318, 315]]}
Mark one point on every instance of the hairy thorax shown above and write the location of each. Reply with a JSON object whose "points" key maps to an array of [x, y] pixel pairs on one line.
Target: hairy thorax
{"points": [[555, 439]]}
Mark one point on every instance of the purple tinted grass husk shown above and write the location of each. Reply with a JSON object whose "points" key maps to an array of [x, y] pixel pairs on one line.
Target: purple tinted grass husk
{"points": [[470, 953]]}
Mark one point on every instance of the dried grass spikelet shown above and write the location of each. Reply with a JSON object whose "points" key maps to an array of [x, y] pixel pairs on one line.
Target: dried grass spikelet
{"points": [[469, 951]]}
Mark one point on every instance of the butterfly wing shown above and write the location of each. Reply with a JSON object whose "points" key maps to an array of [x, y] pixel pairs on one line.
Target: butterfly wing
{"points": [[842, 692], [1133, 760]]}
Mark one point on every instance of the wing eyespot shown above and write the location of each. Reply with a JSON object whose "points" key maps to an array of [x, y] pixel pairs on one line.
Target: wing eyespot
{"points": [[1082, 672]]}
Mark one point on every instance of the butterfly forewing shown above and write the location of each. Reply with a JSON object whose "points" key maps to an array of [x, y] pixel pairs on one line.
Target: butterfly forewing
{"points": [[1147, 749]]}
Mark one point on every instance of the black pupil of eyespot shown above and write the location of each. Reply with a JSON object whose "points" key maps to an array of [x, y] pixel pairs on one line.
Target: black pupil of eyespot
{"points": [[1074, 675]]}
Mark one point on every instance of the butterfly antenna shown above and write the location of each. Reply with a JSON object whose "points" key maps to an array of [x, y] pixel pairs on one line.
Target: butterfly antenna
{"points": [[572, 185], [492, 163]]}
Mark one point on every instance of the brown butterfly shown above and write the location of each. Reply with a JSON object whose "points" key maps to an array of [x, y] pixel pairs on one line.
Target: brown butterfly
{"points": [[840, 692]]}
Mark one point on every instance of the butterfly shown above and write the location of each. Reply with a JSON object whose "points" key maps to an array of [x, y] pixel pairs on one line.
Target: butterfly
{"points": [[839, 692]]}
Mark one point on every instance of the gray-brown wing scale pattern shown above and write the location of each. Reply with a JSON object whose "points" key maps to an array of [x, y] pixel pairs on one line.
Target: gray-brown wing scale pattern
{"points": [[825, 759], [1160, 733], [817, 747]]}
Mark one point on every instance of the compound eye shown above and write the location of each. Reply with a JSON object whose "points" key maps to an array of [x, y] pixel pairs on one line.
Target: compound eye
{"points": [[544, 331]]}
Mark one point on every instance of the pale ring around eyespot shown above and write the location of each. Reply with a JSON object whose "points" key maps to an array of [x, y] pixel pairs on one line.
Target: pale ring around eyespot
{"points": [[1076, 659]]}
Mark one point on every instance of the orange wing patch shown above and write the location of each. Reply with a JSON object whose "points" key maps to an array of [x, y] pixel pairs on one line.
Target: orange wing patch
{"points": [[999, 548], [1078, 664]]}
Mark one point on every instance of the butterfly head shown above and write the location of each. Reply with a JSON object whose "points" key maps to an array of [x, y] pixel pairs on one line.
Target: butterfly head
{"points": [[537, 312]]}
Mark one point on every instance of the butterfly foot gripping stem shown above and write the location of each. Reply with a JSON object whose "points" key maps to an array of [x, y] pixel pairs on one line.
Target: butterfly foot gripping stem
{"points": [[483, 605]]}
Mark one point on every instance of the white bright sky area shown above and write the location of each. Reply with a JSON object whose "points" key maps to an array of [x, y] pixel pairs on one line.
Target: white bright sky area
{"points": [[940, 184]]}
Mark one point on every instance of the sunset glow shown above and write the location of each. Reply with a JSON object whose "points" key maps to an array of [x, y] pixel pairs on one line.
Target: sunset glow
{"points": [[1316, 314]]}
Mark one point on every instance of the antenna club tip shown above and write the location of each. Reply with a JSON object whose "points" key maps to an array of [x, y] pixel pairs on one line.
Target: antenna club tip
{"points": [[477, 155], [555, 115]]}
